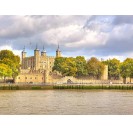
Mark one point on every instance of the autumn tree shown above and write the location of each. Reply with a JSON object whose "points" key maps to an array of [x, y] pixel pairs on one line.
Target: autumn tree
{"points": [[126, 69], [58, 64], [113, 68], [81, 66], [95, 68], [12, 61], [5, 71], [69, 66], [66, 66]]}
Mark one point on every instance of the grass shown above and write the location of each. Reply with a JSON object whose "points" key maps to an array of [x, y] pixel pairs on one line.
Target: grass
{"points": [[94, 87], [36, 88], [27, 87]]}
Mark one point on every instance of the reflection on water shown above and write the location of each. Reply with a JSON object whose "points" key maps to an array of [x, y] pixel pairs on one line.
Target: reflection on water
{"points": [[70, 102]]}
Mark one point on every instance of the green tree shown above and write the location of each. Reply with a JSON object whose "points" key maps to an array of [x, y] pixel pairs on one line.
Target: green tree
{"points": [[66, 66], [95, 68], [6, 54], [12, 61], [5, 71], [71, 66], [126, 69], [81, 66], [113, 68], [58, 64]]}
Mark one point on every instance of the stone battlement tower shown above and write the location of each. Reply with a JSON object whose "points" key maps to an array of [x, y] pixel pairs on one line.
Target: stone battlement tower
{"points": [[40, 61], [23, 57], [58, 52], [36, 58]]}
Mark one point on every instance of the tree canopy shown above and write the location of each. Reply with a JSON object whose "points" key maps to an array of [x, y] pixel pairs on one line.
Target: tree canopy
{"points": [[95, 68], [126, 68], [9, 64], [81, 66], [113, 68], [78, 66], [5, 71], [69, 66]]}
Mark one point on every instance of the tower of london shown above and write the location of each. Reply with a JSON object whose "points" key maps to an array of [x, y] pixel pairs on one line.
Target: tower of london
{"points": [[40, 61], [38, 69], [34, 69]]}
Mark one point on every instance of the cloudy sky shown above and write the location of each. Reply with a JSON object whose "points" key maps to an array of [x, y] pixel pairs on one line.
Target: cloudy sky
{"points": [[100, 36]]}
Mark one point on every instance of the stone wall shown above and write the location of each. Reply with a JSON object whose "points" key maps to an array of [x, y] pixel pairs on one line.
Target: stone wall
{"points": [[70, 79], [30, 78]]}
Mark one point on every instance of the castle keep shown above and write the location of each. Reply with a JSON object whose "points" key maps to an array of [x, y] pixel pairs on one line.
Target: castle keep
{"points": [[38, 63], [33, 69], [38, 69]]}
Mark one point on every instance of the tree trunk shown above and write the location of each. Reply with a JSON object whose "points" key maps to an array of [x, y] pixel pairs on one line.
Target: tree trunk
{"points": [[4, 79], [130, 79], [124, 80]]}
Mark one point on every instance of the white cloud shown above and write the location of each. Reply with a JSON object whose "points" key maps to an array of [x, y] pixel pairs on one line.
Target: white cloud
{"points": [[74, 36], [8, 47]]}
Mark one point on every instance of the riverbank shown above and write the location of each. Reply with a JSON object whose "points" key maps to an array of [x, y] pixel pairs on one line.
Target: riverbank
{"points": [[66, 86]]}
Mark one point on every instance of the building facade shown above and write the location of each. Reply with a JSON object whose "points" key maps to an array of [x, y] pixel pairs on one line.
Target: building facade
{"points": [[38, 69], [33, 69], [38, 62]]}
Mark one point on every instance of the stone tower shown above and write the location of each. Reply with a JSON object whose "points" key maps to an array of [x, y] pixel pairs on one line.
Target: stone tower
{"points": [[23, 56], [43, 53], [105, 73], [58, 52], [37, 58]]}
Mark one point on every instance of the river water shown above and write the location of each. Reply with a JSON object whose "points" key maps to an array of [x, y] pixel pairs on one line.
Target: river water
{"points": [[66, 102]]}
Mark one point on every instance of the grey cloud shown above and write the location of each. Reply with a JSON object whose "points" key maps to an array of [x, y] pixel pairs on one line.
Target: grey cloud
{"points": [[99, 23], [26, 26], [123, 19], [118, 45]]}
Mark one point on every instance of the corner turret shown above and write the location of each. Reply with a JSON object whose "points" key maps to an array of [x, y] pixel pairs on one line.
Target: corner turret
{"points": [[43, 53], [58, 52], [37, 57], [23, 57]]}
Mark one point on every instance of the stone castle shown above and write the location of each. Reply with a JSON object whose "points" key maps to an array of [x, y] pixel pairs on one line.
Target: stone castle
{"points": [[38, 69]]}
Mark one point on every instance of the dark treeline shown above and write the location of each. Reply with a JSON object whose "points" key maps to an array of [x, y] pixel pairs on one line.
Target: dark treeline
{"points": [[69, 66]]}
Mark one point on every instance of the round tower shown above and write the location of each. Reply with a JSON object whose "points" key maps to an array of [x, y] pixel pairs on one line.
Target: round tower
{"points": [[105, 73], [58, 52]]}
